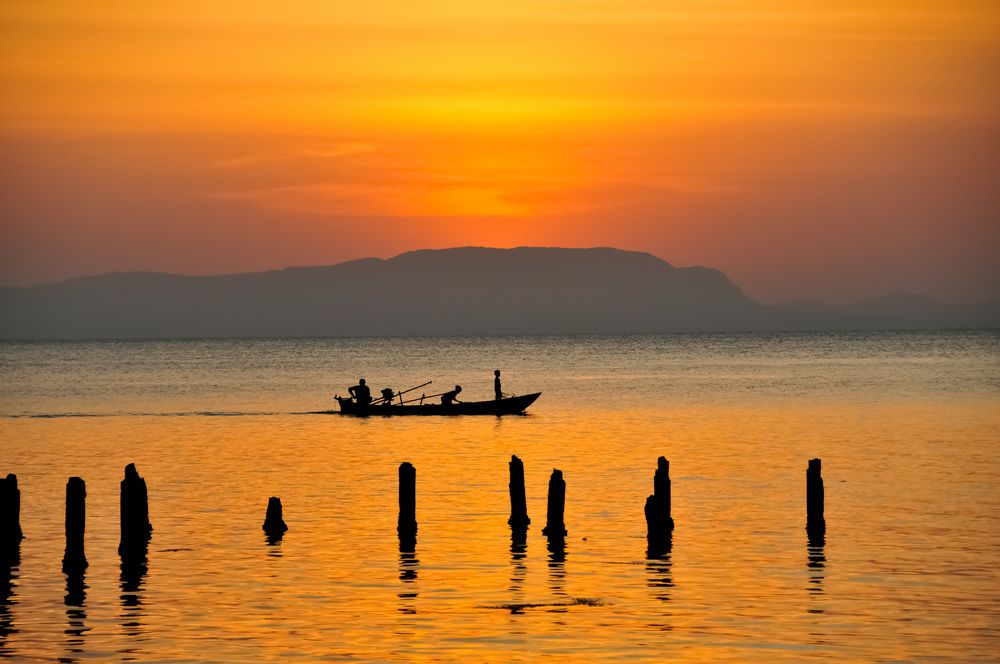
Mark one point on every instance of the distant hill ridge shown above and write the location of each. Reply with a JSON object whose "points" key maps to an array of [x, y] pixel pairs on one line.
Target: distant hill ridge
{"points": [[461, 291]]}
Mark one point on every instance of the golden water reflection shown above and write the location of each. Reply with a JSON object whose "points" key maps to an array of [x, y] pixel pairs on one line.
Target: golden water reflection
{"points": [[739, 546], [907, 569]]}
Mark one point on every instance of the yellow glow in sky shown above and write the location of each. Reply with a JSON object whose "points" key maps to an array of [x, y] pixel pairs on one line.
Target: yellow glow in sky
{"points": [[725, 132], [395, 65]]}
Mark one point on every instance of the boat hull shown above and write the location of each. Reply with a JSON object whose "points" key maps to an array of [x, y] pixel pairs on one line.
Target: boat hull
{"points": [[509, 406]]}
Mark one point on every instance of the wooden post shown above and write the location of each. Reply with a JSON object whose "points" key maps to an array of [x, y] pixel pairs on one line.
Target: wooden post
{"points": [[815, 523], [10, 519], [274, 524], [654, 524], [135, 527], [75, 560], [407, 525], [659, 523], [661, 492], [518, 503], [554, 524]]}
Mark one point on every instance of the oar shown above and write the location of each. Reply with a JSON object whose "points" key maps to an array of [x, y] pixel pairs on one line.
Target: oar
{"points": [[411, 389], [375, 401], [403, 392], [429, 396]]}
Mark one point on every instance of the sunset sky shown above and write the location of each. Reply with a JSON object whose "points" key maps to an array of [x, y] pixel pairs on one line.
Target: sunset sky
{"points": [[811, 150]]}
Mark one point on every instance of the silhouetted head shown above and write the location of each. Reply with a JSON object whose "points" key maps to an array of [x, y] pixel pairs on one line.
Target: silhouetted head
{"points": [[458, 388], [361, 381], [496, 372]]}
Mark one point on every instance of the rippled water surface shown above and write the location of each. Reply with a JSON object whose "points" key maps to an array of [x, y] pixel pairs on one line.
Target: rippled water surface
{"points": [[907, 425]]}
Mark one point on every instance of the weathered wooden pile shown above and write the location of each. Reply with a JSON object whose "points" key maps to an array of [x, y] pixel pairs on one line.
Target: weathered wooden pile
{"points": [[136, 529]]}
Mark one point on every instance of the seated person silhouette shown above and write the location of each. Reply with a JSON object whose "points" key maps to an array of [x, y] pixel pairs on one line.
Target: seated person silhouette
{"points": [[362, 393], [496, 385], [387, 396], [449, 398]]}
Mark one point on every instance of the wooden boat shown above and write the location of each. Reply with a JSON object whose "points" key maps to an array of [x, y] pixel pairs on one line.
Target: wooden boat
{"points": [[507, 406]]}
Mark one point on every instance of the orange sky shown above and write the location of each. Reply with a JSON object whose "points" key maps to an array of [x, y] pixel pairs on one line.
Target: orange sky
{"points": [[820, 150]]}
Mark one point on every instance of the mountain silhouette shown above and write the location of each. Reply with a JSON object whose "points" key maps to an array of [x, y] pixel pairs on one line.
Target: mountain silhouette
{"points": [[462, 291]]}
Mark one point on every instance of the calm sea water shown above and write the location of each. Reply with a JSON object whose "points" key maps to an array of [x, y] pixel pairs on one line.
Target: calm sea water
{"points": [[907, 425]]}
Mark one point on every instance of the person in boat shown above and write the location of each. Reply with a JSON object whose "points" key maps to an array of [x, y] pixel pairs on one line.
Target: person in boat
{"points": [[449, 398], [362, 393], [496, 384], [387, 396]]}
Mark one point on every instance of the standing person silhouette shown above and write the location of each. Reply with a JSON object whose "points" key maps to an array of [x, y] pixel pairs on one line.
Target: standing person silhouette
{"points": [[496, 385], [362, 393]]}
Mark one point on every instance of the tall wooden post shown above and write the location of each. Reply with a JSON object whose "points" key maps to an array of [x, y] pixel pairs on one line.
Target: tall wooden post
{"points": [[518, 503], [555, 526], [659, 523], [407, 525], [815, 499], [74, 559], [661, 492], [10, 519], [135, 527]]}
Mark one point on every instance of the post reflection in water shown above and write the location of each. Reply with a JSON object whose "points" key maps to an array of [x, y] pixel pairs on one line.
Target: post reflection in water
{"points": [[816, 564], [8, 581], [133, 573], [76, 614], [408, 566], [658, 565], [557, 567], [273, 543], [659, 569], [519, 571]]}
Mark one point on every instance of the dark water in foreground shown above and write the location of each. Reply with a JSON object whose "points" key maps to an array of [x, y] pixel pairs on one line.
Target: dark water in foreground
{"points": [[907, 424]]}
